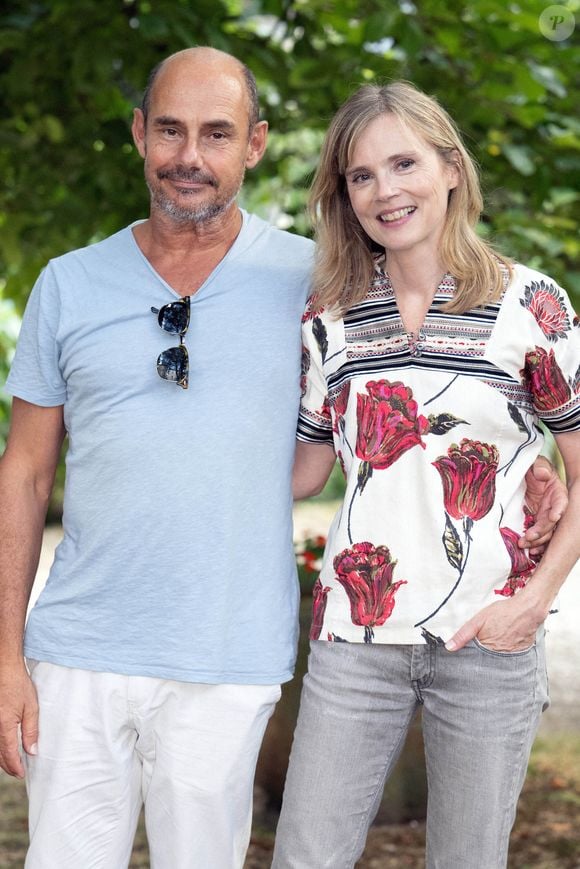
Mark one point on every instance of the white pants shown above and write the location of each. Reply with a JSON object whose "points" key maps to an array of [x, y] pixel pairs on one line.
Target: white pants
{"points": [[109, 744]]}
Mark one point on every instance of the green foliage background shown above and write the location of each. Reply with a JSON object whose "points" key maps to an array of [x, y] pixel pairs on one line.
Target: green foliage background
{"points": [[71, 71]]}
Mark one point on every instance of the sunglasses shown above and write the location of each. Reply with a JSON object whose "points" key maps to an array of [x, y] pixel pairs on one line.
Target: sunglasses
{"points": [[173, 364]]}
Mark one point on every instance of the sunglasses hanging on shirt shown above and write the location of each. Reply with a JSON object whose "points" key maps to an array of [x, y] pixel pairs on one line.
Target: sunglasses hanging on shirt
{"points": [[173, 363]]}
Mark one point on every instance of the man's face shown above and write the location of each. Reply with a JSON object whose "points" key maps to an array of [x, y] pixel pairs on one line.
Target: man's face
{"points": [[196, 144]]}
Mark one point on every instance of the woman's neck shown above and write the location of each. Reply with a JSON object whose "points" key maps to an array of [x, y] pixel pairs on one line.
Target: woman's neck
{"points": [[414, 284]]}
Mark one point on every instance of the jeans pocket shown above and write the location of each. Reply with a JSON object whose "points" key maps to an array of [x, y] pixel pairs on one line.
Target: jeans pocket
{"points": [[517, 653]]}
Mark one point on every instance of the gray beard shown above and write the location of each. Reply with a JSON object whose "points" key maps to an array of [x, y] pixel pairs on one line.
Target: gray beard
{"points": [[195, 214]]}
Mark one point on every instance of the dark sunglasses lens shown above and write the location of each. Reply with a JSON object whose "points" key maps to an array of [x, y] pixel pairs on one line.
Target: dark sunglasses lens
{"points": [[174, 318], [173, 364]]}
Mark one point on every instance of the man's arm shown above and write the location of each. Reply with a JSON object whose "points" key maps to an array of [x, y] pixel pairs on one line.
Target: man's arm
{"points": [[511, 624], [547, 498], [312, 466], [27, 471]]}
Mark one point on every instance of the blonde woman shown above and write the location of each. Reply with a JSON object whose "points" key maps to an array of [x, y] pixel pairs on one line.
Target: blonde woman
{"points": [[429, 360]]}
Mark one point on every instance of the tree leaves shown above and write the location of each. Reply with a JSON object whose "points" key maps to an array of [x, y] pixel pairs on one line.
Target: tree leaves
{"points": [[71, 175], [308, 57]]}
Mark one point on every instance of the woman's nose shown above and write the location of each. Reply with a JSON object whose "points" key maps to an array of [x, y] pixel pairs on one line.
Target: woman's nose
{"points": [[387, 186]]}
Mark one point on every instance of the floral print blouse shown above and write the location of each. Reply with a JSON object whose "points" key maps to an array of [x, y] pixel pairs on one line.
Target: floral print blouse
{"points": [[434, 431]]}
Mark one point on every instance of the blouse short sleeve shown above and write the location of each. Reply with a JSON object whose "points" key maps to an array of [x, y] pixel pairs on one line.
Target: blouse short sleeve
{"points": [[314, 421], [540, 339]]}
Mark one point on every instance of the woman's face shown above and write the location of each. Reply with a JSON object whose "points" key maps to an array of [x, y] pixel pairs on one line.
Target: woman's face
{"points": [[399, 187]]}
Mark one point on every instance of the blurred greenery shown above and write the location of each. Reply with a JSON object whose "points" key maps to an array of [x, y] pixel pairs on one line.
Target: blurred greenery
{"points": [[71, 71], [9, 325]]}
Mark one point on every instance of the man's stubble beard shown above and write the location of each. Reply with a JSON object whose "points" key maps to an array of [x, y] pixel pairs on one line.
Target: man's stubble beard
{"points": [[183, 214]]}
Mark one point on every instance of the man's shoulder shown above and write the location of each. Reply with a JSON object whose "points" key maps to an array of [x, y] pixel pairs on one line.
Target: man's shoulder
{"points": [[109, 249], [277, 236]]}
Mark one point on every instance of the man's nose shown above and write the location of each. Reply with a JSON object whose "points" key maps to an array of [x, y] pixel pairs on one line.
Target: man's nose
{"points": [[190, 152]]}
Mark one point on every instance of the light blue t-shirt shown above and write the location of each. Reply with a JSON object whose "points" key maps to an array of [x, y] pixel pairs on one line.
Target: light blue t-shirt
{"points": [[177, 558]]}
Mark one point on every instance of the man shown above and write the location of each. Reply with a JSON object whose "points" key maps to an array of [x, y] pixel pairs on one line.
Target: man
{"points": [[170, 616], [169, 619]]}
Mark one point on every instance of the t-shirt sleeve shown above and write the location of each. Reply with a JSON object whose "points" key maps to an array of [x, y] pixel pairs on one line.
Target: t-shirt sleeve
{"points": [[35, 374], [551, 367], [314, 420]]}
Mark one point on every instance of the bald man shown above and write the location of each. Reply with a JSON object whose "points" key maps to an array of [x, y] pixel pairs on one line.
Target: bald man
{"points": [[169, 354]]}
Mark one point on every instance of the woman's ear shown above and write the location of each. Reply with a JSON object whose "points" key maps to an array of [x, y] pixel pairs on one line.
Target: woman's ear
{"points": [[454, 168]]}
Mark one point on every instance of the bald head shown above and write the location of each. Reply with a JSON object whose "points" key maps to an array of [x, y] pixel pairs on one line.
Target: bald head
{"points": [[213, 62]]}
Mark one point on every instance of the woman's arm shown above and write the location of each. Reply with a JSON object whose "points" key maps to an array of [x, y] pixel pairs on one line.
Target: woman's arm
{"points": [[312, 466]]}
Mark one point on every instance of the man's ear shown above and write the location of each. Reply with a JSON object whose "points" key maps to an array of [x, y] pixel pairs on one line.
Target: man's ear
{"points": [[138, 131], [257, 144]]}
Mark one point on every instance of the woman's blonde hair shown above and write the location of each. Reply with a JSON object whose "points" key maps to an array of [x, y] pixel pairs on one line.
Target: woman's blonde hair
{"points": [[344, 262]]}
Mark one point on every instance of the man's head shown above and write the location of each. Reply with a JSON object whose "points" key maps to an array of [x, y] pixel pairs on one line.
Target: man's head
{"points": [[248, 75], [198, 131]]}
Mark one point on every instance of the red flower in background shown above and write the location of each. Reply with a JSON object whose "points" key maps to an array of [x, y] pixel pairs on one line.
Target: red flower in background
{"points": [[546, 304], [310, 560], [366, 574], [388, 426], [544, 379], [319, 593], [468, 477]]}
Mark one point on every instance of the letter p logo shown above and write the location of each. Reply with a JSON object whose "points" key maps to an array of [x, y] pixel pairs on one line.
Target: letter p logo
{"points": [[556, 23]]}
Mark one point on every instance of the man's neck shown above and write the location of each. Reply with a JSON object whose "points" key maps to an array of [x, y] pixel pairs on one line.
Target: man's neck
{"points": [[185, 254]]}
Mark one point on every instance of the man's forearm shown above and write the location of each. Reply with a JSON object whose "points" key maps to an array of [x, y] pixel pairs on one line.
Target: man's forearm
{"points": [[22, 515]]}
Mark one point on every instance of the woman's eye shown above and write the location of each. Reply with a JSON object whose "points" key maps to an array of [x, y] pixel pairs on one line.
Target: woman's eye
{"points": [[359, 177], [405, 164]]}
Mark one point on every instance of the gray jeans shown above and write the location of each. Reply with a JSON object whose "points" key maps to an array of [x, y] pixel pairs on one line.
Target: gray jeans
{"points": [[481, 710]]}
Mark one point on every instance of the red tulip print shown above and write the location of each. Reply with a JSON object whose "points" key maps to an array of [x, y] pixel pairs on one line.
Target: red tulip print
{"points": [[544, 378], [467, 473], [522, 563], [388, 426], [366, 574], [319, 594], [468, 477], [340, 405]]}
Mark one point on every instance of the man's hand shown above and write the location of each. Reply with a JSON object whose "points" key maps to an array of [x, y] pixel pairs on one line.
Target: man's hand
{"points": [[547, 499], [503, 626], [18, 708]]}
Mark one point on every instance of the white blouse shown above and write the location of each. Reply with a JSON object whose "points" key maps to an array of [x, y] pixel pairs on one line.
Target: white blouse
{"points": [[435, 432]]}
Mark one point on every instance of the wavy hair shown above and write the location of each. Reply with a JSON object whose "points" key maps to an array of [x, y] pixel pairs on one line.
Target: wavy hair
{"points": [[344, 261]]}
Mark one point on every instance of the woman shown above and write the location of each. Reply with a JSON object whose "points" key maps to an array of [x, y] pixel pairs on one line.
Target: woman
{"points": [[429, 359]]}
